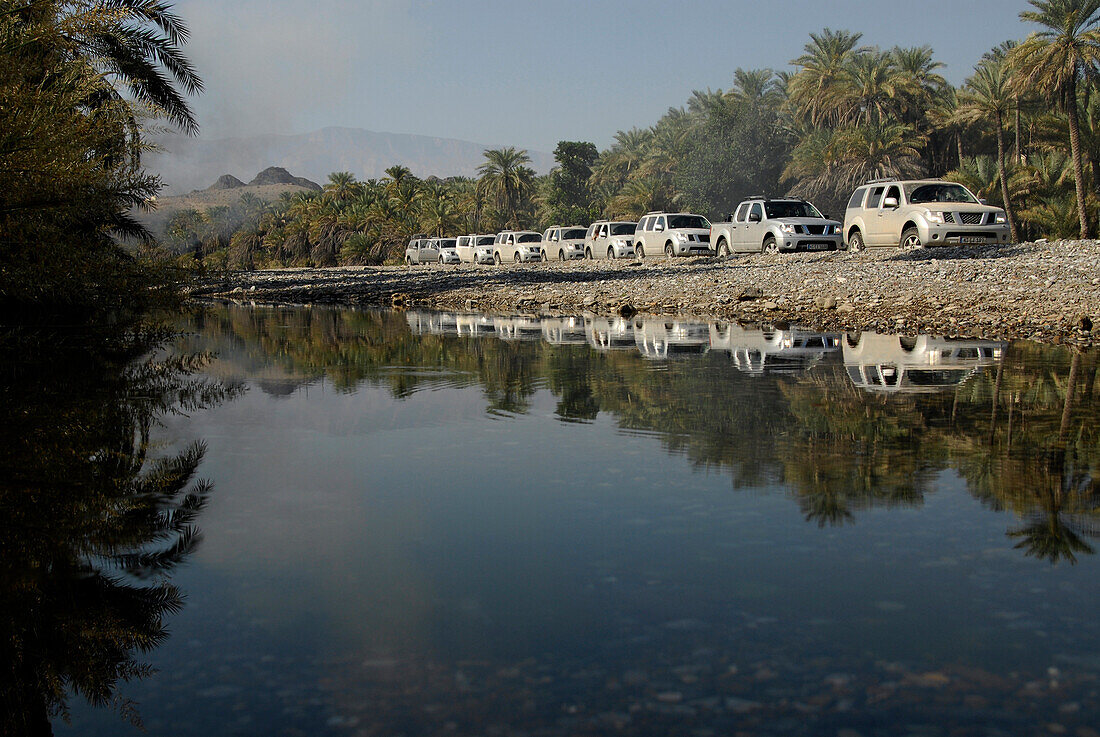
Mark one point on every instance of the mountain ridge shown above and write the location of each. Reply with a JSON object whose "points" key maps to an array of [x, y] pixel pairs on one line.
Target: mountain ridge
{"points": [[186, 164]]}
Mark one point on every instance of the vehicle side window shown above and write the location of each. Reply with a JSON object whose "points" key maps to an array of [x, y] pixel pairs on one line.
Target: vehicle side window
{"points": [[893, 192], [875, 198], [757, 210], [857, 198], [742, 212], [660, 223], [591, 231]]}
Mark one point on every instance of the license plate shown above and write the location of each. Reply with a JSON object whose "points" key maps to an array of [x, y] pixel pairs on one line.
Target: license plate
{"points": [[972, 239], [818, 246]]}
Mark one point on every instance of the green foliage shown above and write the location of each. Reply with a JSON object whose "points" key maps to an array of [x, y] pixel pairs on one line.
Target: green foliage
{"points": [[70, 147], [566, 197]]}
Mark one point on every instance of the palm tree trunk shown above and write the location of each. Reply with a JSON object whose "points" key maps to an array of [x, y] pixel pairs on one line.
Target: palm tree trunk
{"points": [[1018, 152], [996, 402], [959, 147], [1075, 150], [1004, 179], [1071, 386]]}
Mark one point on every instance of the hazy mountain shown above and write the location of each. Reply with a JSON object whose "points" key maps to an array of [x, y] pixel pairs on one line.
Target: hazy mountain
{"points": [[187, 164]]}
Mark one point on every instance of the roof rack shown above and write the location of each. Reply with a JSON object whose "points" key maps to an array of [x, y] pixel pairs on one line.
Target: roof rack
{"points": [[656, 212], [757, 197]]}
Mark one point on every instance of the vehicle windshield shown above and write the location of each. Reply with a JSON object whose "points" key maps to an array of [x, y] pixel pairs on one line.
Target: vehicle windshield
{"points": [[528, 238], [573, 234], [486, 240], [688, 221], [623, 228], [447, 243], [938, 192], [791, 210]]}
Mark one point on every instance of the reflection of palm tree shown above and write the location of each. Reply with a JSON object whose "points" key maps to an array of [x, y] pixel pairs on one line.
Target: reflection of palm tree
{"points": [[92, 527]]}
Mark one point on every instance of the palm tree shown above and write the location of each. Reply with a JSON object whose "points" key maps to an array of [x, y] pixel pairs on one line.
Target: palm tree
{"points": [[854, 155], [870, 89], [988, 96], [822, 68], [506, 177], [1058, 59], [342, 186]]}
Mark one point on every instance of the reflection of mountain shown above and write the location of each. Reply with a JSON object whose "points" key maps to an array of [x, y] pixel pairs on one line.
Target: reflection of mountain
{"points": [[791, 415], [891, 363]]}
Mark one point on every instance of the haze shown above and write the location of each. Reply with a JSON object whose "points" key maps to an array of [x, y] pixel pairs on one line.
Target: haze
{"points": [[527, 74]]}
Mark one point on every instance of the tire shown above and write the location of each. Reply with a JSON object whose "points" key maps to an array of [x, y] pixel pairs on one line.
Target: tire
{"points": [[542, 256], [908, 343], [408, 261], [853, 339], [440, 260], [770, 247], [610, 253], [723, 249], [639, 251], [515, 257], [588, 253], [910, 240], [561, 255], [668, 251], [855, 242], [497, 259]]}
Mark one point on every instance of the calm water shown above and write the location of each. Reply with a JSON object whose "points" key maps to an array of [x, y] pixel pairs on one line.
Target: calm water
{"points": [[422, 523]]}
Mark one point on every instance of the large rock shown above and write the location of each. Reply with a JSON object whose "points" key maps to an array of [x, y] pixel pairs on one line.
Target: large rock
{"points": [[279, 175], [225, 181]]}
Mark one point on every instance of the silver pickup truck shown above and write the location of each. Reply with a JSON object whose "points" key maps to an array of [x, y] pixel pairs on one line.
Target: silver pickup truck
{"points": [[771, 226]]}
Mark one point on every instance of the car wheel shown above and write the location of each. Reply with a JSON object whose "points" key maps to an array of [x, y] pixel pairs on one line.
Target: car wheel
{"points": [[561, 255], [855, 241], [639, 251], [515, 257], [610, 254], [497, 259], [770, 246], [440, 260], [910, 239], [723, 249], [408, 261], [668, 250], [853, 338], [588, 253]]}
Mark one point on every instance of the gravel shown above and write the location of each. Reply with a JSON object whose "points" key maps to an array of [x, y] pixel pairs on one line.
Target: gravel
{"points": [[1047, 292]]}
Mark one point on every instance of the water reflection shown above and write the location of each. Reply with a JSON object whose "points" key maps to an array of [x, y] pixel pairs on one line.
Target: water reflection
{"points": [[96, 515], [846, 423], [587, 525]]}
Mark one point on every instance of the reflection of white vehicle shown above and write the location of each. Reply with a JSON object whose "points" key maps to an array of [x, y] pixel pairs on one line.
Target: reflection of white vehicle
{"points": [[764, 350], [662, 338], [563, 330], [475, 326], [432, 323], [609, 333], [518, 328], [475, 249], [892, 363]]}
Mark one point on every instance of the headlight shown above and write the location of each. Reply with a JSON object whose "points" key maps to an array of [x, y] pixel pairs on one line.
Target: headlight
{"points": [[1000, 219], [679, 237], [788, 228], [934, 217]]}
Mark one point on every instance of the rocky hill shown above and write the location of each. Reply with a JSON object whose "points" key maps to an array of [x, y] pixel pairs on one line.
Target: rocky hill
{"points": [[186, 164]]}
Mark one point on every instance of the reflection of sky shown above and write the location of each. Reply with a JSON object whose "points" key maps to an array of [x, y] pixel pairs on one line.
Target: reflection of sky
{"points": [[351, 528]]}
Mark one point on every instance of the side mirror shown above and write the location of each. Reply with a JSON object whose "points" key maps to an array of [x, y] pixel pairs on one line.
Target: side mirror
{"points": [[658, 228], [890, 202], [754, 217]]}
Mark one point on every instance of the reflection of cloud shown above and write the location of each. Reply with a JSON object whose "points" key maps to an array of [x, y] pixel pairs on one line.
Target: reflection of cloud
{"points": [[267, 66]]}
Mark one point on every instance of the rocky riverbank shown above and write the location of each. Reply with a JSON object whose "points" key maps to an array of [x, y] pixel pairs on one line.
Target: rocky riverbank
{"points": [[1041, 291]]}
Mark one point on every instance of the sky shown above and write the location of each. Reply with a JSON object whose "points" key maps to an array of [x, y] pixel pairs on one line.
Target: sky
{"points": [[528, 73]]}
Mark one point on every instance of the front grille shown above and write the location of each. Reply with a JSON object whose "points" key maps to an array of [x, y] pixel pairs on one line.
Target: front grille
{"points": [[705, 238], [815, 229], [970, 218]]}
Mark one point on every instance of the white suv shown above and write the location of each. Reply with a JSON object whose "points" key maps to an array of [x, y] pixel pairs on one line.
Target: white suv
{"points": [[673, 234], [563, 243], [517, 245], [914, 214], [609, 239], [475, 249]]}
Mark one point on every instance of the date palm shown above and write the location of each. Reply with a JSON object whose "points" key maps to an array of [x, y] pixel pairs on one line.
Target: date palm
{"points": [[1060, 58], [988, 96], [507, 179], [823, 64]]}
